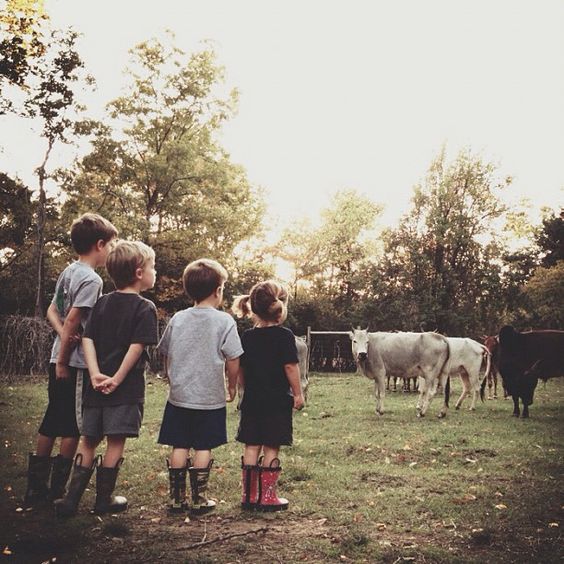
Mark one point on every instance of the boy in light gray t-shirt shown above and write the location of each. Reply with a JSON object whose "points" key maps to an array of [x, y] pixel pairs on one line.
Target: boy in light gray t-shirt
{"points": [[200, 345]]}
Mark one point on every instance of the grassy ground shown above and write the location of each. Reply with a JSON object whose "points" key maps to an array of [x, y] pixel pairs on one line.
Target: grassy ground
{"points": [[475, 487]]}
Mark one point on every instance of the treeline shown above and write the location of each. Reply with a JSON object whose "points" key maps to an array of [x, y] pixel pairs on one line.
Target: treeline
{"points": [[157, 171]]}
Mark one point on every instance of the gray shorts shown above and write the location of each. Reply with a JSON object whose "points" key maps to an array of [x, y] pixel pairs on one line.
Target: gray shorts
{"points": [[112, 420]]}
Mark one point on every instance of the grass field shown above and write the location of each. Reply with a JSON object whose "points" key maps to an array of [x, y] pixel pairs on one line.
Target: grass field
{"points": [[474, 487]]}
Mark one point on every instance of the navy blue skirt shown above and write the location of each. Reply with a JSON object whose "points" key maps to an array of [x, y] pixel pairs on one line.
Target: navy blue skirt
{"points": [[200, 429]]}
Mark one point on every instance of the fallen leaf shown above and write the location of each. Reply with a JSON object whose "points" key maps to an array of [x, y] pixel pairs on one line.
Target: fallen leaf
{"points": [[322, 521], [156, 520], [553, 525], [381, 526], [19, 509], [7, 551], [407, 447], [500, 506], [187, 520], [412, 464]]}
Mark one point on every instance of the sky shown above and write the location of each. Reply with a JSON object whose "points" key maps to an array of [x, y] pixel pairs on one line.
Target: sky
{"points": [[350, 94]]}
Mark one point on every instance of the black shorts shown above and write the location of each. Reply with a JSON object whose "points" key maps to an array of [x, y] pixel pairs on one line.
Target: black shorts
{"points": [[63, 417], [266, 428], [200, 429], [124, 420]]}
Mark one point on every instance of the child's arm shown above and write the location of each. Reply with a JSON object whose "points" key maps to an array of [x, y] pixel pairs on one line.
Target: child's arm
{"points": [[233, 369], [293, 376], [54, 319], [70, 329], [129, 361], [96, 377]]}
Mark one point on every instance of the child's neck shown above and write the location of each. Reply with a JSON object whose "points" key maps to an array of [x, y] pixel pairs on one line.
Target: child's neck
{"points": [[90, 259], [261, 323], [133, 289], [208, 302]]}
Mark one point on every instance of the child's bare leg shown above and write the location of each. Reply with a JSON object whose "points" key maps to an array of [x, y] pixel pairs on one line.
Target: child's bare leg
{"points": [[251, 454], [68, 446], [270, 453], [44, 445], [201, 458], [87, 448], [178, 457], [114, 450]]}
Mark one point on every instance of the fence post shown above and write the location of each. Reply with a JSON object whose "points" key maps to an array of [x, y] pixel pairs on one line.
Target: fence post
{"points": [[308, 343]]}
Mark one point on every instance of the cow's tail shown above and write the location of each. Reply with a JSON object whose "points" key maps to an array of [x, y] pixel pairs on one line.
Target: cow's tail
{"points": [[446, 367], [488, 356]]}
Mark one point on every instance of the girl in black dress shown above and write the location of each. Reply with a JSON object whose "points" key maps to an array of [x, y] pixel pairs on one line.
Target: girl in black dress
{"points": [[270, 378]]}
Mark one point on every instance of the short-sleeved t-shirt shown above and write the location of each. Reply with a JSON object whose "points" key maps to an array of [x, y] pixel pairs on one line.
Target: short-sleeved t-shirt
{"points": [[77, 286], [117, 321], [267, 350], [196, 343]]}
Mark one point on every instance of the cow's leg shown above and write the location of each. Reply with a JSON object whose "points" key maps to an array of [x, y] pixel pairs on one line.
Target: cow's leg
{"points": [[465, 387], [427, 393], [525, 413], [444, 379], [388, 382], [494, 378], [515, 406], [379, 391]]}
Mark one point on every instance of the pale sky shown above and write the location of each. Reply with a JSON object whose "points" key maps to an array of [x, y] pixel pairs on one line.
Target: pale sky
{"points": [[351, 94]]}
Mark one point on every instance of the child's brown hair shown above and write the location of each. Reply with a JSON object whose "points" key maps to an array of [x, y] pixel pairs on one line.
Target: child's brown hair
{"points": [[124, 260], [267, 300], [202, 277], [88, 229]]}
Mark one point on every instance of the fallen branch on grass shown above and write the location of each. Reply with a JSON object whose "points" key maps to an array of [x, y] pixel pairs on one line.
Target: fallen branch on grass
{"points": [[222, 538]]}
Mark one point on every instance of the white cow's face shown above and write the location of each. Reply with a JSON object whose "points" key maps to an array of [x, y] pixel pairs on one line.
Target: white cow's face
{"points": [[359, 338]]}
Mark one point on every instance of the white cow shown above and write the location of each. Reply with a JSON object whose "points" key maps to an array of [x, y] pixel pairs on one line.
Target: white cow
{"points": [[399, 354], [466, 358], [304, 362]]}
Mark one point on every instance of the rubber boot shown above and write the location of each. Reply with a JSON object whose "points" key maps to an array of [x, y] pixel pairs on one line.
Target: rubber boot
{"points": [[177, 482], [198, 484], [106, 502], [68, 506], [249, 479], [38, 470], [59, 476], [268, 477]]}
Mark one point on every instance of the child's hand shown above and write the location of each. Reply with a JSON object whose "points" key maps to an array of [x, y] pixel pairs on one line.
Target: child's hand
{"points": [[75, 339], [299, 402], [98, 380], [110, 385], [62, 371], [231, 393]]}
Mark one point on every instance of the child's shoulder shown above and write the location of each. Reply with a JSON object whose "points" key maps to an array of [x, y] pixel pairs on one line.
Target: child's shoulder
{"points": [[80, 273]]}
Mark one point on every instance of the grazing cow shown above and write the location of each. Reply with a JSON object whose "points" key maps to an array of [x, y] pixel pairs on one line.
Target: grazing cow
{"points": [[397, 354], [303, 359], [466, 358], [526, 357]]}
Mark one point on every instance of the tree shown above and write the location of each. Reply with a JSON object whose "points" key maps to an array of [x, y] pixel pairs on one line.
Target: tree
{"points": [[551, 239], [444, 258], [333, 258], [545, 290], [156, 170]]}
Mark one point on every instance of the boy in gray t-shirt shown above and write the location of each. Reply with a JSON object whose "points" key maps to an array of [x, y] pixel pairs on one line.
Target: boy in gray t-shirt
{"points": [[200, 344], [77, 290]]}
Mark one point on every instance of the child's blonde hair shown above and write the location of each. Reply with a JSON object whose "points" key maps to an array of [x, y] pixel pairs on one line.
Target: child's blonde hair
{"points": [[267, 300], [124, 260], [202, 277]]}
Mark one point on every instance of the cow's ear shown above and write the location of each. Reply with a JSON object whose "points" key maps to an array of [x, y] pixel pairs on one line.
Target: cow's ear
{"points": [[351, 335], [367, 328]]}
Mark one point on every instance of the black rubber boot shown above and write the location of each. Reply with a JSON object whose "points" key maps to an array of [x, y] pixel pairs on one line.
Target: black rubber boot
{"points": [[199, 484], [68, 506], [38, 470], [177, 482], [59, 476], [106, 502]]}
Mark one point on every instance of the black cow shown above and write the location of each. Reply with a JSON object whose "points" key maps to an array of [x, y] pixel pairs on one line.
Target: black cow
{"points": [[526, 357]]}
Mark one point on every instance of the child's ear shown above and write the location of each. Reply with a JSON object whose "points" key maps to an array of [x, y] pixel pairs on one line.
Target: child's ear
{"points": [[139, 273]]}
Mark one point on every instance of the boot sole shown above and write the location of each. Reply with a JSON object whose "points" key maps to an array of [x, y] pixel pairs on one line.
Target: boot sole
{"points": [[201, 510], [248, 506], [104, 511], [271, 508]]}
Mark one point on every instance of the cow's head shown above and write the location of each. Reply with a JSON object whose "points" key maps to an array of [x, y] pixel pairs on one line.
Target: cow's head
{"points": [[359, 338], [491, 342]]}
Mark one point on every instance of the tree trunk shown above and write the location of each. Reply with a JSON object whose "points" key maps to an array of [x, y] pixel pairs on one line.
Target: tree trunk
{"points": [[41, 221]]}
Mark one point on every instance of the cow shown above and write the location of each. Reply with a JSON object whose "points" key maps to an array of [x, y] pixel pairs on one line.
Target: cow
{"points": [[303, 359], [466, 359], [398, 354], [526, 357], [491, 342]]}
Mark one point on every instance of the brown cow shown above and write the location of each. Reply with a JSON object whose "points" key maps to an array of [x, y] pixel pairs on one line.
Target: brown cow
{"points": [[526, 357]]}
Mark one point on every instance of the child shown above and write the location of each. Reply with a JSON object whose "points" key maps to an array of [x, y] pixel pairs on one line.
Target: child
{"points": [[77, 290], [199, 344], [270, 376], [121, 324]]}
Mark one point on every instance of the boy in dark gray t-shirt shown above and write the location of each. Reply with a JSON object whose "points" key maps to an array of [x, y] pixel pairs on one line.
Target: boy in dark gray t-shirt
{"points": [[199, 345]]}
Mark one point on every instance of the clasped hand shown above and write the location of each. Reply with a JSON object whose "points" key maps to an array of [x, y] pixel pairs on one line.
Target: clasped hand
{"points": [[103, 383]]}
